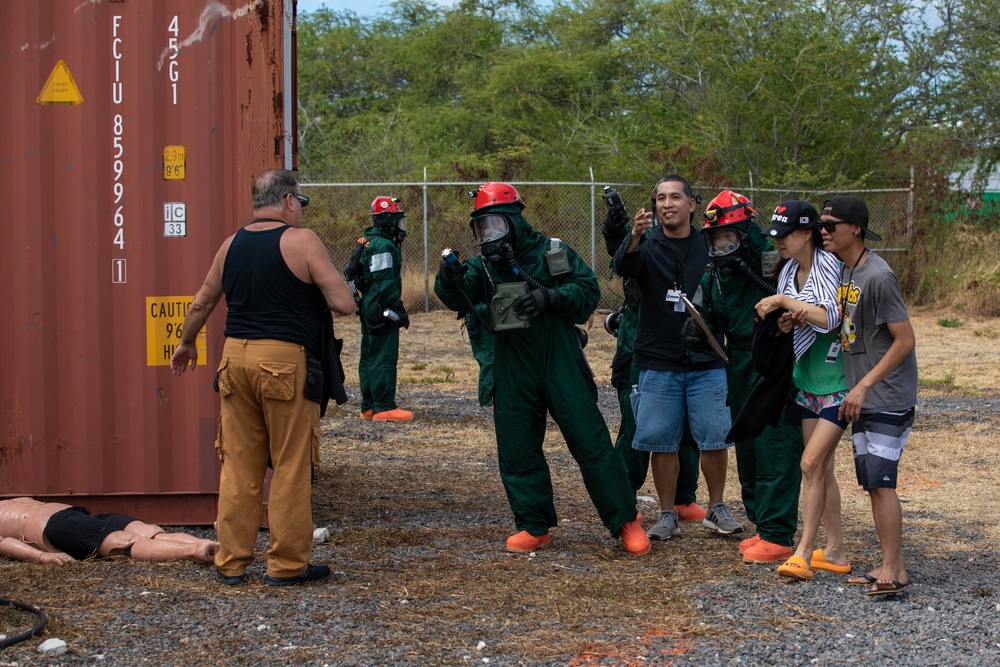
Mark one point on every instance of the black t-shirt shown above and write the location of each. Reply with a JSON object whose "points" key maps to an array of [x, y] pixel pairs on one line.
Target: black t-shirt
{"points": [[660, 265]]}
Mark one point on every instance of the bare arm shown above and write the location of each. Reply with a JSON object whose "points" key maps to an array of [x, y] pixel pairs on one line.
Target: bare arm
{"points": [[18, 550], [805, 312], [204, 303], [642, 223], [338, 295], [903, 342]]}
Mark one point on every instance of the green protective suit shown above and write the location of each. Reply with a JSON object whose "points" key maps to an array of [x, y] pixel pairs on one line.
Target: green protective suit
{"points": [[379, 336], [542, 369], [483, 344], [689, 456], [768, 465]]}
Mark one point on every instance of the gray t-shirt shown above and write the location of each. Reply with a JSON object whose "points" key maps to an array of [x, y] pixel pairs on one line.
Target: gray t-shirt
{"points": [[872, 299]]}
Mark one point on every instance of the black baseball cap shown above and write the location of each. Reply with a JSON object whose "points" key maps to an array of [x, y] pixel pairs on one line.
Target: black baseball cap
{"points": [[791, 215], [852, 210]]}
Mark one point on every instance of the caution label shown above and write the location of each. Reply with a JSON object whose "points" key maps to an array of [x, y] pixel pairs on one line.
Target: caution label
{"points": [[60, 88], [164, 322]]}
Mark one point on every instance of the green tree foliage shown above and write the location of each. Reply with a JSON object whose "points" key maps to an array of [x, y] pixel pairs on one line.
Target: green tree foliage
{"points": [[783, 92]]}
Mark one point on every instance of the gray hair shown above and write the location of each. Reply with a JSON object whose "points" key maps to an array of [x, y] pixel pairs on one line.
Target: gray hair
{"points": [[271, 186]]}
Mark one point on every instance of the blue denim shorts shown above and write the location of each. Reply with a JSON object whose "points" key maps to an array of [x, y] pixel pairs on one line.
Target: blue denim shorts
{"points": [[661, 400]]}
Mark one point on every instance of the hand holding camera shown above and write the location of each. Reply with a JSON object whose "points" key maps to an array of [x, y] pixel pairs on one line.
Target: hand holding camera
{"points": [[617, 214]]}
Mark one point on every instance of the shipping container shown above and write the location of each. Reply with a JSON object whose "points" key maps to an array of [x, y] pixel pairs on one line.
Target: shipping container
{"points": [[131, 133]]}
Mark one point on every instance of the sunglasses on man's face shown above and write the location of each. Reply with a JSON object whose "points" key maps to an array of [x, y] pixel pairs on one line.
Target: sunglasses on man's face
{"points": [[830, 226], [302, 198]]}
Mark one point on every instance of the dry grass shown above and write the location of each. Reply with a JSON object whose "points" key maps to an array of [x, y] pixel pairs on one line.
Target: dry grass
{"points": [[419, 518]]}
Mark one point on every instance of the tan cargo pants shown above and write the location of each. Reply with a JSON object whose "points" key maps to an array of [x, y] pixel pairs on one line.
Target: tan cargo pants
{"points": [[265, 417]]}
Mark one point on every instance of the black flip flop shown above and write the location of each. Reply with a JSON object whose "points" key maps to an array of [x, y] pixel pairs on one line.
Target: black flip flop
{"points": [[896, 587], [869, 580]]}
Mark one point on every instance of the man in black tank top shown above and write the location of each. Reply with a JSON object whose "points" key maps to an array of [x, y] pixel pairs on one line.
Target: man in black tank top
{"points": [[279, 286]]}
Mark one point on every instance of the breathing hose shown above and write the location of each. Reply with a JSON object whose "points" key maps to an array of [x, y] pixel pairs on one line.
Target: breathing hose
{"points": [[39, 614]]}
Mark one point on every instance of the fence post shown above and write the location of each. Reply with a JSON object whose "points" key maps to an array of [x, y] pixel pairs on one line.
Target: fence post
{"points": [[593, 222], [910, 202], [427, 296]]}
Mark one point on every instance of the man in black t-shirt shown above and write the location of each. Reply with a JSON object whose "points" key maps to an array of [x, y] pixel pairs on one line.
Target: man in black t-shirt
{"points": [[674, 381]]}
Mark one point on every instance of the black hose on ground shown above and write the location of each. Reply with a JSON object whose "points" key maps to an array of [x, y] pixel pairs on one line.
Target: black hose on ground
{"points": [[42, 620]]}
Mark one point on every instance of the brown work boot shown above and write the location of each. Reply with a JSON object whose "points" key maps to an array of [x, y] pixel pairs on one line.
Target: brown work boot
{"points": [[524, 542], [767, 552], [634, 538], [395, 415], [690, 512], [367, 414]]}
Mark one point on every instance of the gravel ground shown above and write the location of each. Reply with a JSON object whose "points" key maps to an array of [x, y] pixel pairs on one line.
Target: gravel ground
{"points": [[178, 614]]}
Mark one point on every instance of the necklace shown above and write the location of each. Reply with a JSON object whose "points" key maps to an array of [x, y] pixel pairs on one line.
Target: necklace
{"points": [[846, 288]]}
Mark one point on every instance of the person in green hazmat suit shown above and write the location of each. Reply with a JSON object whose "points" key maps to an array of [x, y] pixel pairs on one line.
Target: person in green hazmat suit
{"points": [[382, 312], [624, 375], [735, 280], [537, 290]]}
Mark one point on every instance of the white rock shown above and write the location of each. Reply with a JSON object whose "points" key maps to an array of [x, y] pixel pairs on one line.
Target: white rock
{"points": [[480, 646], [261, 627], [644, 499], [54, 646], [320, 535]]}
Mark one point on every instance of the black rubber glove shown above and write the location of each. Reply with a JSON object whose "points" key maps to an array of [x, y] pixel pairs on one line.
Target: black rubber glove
{"points": [[404, 319], [693, 334], [615, 219], [473, 326], [378, 324], [451, 272], [536, 302]]}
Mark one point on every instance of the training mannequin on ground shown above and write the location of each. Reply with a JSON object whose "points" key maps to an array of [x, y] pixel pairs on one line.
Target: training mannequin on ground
{"points": [[39, 532]]}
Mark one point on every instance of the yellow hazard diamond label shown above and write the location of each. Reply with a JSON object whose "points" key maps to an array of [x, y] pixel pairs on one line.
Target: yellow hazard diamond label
{"points": [[60, 88]]}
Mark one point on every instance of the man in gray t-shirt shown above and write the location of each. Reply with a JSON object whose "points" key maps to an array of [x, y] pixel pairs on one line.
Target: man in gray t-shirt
{"points": [[872, 301], [881, 369]]}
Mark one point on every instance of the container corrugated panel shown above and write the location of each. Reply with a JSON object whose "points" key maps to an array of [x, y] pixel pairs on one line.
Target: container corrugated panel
{"points": [[118, 195]]}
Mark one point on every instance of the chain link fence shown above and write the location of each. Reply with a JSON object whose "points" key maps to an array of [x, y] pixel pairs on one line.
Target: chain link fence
{"points": [[437, 217]]}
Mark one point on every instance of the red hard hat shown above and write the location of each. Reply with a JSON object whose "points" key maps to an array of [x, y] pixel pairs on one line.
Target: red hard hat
{"points": [[491, 194], [728, 208], [385, 205]]}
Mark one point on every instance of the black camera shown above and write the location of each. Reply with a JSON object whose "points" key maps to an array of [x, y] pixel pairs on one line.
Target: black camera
{"points": [[612, 198]]}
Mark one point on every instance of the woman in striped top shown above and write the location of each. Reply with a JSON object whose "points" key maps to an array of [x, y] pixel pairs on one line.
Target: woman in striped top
{"points": [[807, 292]]}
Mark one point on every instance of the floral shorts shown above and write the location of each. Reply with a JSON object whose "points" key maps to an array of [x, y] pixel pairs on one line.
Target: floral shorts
{"points": [[821, 406]]}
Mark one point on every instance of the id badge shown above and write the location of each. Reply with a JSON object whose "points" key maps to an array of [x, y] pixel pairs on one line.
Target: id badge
{"points": [[834, 352], [674, 297]]}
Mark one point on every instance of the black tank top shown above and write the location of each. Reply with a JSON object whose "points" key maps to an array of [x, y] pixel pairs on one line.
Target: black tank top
{"points": [[264, 298]]}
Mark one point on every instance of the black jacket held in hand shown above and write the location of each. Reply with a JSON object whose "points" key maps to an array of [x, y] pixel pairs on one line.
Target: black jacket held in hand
{"points": [[774, 359]]}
